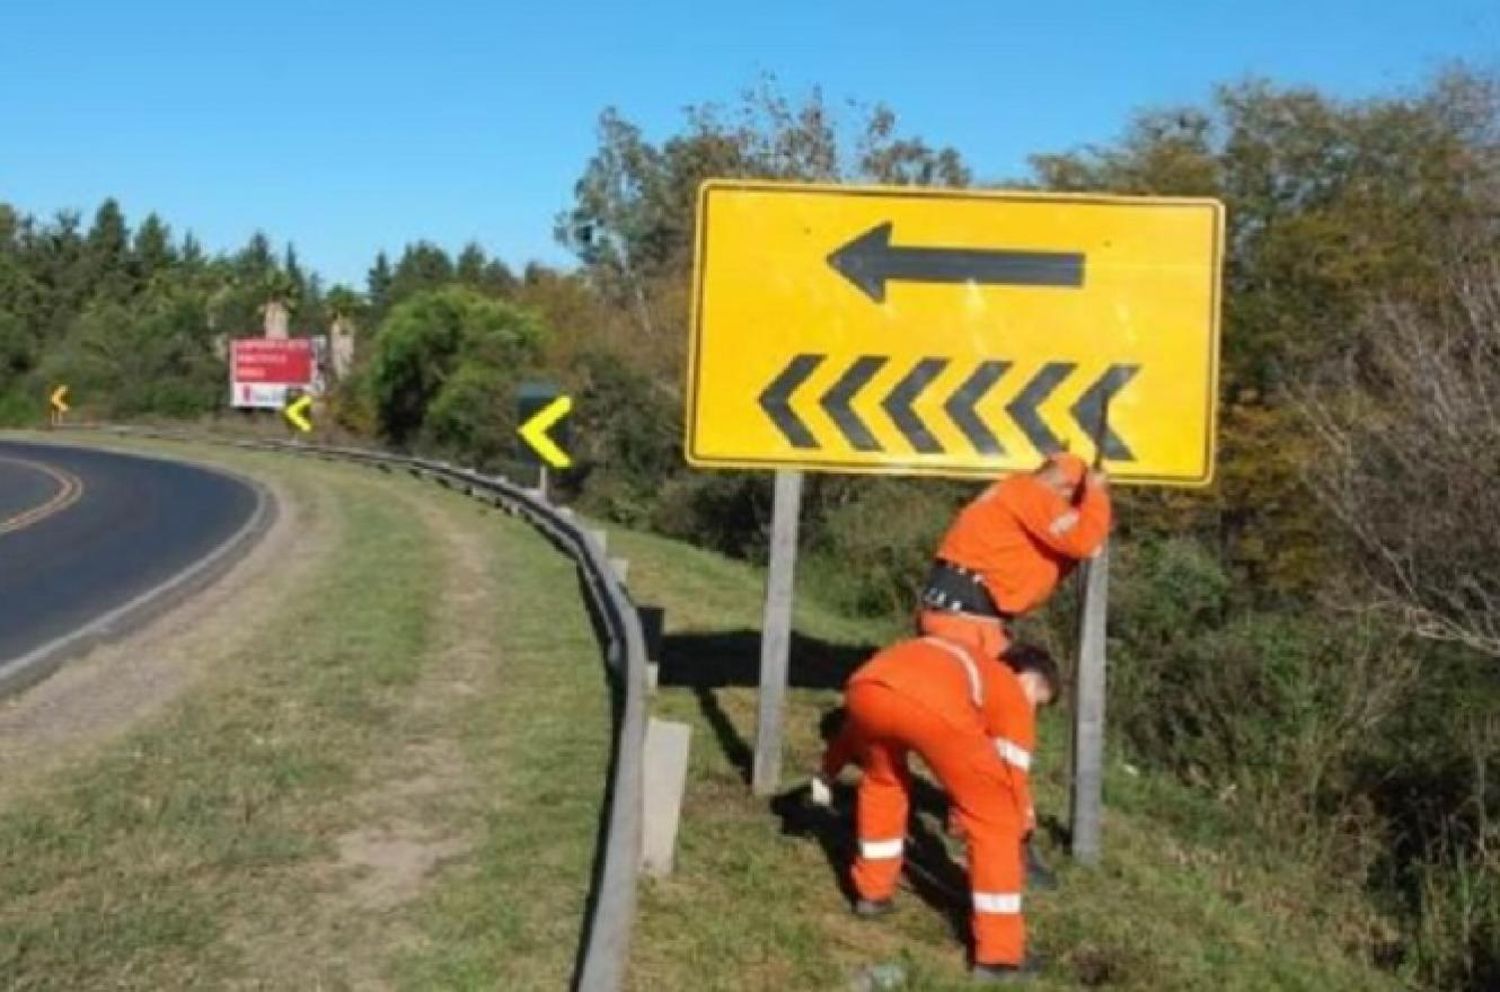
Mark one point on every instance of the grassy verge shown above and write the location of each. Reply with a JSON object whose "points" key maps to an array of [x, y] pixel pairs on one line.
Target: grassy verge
{"points": [[1186, 898], [512, 919], [394, 782]]}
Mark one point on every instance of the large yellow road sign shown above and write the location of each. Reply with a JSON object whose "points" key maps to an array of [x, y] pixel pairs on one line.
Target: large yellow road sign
{"points": [[958, 333]]}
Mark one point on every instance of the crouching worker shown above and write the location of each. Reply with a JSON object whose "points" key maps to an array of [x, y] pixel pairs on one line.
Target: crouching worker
{"points": [[971, 718]]}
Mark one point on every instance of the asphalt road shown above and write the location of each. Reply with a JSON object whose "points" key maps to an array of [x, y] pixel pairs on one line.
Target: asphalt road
{"points": [[89, 538]]}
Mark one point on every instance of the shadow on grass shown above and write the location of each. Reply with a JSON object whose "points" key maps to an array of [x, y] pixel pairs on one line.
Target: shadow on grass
{"points": [[711, 660], [704, 662], [930, 871], [707, 661]]}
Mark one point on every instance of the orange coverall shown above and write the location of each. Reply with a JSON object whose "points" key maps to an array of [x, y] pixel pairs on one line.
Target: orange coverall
{"points": [[1021, 538], [968, 718]]}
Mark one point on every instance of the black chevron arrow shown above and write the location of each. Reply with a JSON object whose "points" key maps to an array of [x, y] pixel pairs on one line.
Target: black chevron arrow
{"points": [[960, 407], [776, 400], [1087, 411], [870, 261], [839, 397], [899, 404], [1023, 408]]}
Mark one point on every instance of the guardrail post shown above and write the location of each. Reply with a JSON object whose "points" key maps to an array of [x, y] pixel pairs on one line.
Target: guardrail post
{"points": [[665, 781]]}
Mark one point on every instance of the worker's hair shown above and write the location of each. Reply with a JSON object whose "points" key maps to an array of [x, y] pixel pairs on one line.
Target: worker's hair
{"points": [[1051, 472], [1024, 658]]}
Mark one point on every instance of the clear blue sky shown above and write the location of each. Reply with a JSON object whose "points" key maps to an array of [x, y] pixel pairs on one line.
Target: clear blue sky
{"points": [[350, 127]]}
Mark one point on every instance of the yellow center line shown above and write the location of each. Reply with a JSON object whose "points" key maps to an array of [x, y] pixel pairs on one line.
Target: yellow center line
{"points": [[70, 489]]}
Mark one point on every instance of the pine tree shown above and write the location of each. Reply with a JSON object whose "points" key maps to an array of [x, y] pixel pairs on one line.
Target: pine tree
{"points": [[423, 266], [471, 263], [378, 287], [152, 254], [108, 253], [255, 263]]}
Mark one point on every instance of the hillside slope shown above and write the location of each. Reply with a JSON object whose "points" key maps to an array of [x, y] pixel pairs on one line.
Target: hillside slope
{"points": [[1187, 897]]}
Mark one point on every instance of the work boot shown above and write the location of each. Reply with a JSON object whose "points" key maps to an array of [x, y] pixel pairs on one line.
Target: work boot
{"points": [[869, 909], [1038, 875], [1003, 974]]}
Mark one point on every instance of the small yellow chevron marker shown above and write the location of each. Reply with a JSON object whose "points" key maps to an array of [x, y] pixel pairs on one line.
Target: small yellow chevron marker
{"points": [[60, 399], [296, 413], [534, 432]]}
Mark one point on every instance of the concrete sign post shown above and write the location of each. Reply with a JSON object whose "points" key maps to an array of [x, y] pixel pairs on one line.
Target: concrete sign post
{"points": [[1086, 795], [776, 632]]}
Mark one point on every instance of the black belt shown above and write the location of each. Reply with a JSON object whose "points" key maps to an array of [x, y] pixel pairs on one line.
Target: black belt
{"points": [[956, 589]]}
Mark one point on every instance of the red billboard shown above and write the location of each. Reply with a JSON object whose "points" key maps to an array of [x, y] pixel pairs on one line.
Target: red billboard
{"points": [[261, 370]]}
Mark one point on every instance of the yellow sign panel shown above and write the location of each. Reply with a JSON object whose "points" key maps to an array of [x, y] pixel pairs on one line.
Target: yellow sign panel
{"points": [[535, 432], [958, 333], [296, 413]]}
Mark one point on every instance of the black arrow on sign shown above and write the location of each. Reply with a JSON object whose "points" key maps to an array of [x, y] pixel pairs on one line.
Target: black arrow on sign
{"points": [[838, 399], [898, 404], [1023, 408], [960, 407], [776, 400], [870, 261], [1088, 410]]}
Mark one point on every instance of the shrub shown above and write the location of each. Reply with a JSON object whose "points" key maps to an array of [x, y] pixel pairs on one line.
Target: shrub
{"points": [[427, 338]]}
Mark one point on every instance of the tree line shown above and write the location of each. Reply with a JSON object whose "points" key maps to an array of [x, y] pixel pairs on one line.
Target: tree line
{"points": [[1315, 639]]}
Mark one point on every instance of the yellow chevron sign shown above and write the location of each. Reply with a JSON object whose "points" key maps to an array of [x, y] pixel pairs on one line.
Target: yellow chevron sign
{"points": [[534, 432], [953, 332], [296, 413], [60, 400]]}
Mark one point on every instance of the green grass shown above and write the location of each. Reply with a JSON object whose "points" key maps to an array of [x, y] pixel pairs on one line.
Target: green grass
{"points": [[1187, 897], [515, 919], [453, 721], [460, 709]]}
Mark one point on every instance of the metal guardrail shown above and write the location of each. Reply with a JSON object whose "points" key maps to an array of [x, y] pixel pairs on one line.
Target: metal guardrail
{"points": [[605, 948]]}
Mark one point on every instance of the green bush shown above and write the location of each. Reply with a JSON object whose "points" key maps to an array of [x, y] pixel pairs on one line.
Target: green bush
{"points": [[427, 339], [729, 512], [874, 541], [473, 416]]}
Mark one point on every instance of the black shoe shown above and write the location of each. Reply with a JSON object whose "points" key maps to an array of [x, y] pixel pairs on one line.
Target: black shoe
{"points": [[869, 909], [1038, 875], [1001, 974]]}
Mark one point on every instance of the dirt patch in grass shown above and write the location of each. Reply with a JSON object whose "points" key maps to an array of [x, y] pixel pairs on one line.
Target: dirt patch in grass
{"points": [[393, 863]]}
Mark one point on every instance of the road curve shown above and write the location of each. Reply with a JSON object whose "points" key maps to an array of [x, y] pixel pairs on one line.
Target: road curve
{"points": [[92, 542]]}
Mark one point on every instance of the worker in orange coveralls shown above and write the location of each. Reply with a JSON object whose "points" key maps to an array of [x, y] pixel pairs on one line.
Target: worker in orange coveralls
{"points": [[971, 718], [1004, 556], [1010, 547]]}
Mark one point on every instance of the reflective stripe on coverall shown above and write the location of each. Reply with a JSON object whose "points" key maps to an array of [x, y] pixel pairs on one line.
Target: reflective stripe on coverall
{"points": [[971, 723], [1022, 539]]}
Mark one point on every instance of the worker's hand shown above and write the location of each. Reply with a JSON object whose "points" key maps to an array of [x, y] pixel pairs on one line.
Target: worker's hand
{"points": [[819, 792], [1030, 820], [1099, 479]]}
